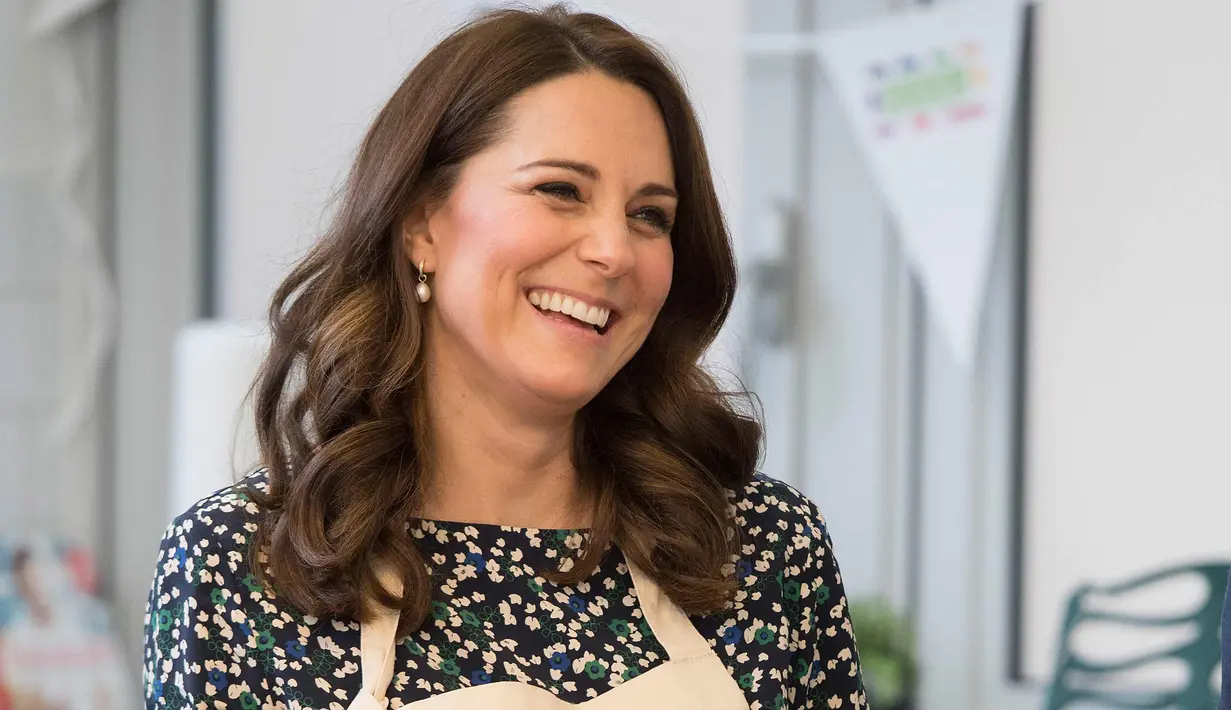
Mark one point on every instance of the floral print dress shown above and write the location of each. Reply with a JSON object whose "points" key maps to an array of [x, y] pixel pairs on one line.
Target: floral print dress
{"points": [[216, 638]]}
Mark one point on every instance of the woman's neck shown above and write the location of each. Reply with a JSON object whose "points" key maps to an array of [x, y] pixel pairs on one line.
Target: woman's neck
{"points": [[497, 464]]}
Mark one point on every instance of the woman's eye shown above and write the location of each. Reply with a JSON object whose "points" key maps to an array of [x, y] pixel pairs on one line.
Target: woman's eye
{"points": [[562, 190], [655, 217]]}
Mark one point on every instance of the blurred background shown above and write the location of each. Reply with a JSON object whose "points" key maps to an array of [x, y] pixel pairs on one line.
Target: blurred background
{"points": [[987, 320]]}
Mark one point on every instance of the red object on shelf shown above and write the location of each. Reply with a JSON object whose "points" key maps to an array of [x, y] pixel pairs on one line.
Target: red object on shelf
{"points": [[6, 702], [80, 565]]}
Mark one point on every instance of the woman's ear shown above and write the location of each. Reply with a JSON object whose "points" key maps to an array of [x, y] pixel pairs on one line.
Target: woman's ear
{"points": [[417, 242]]}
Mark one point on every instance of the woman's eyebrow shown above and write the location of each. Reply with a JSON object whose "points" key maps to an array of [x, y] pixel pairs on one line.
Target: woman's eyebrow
{"points": [[650, 189], [653, 189], [584, 169]]}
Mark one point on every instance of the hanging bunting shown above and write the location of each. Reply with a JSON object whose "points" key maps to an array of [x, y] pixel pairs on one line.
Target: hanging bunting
{"points": [[930, 93]]}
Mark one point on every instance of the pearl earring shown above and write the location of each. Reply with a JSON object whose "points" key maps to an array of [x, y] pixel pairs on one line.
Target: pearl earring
{"points": [[422, 290]]}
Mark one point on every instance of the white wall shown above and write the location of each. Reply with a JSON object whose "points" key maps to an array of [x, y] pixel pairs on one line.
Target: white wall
{"points": [[50, 484], [27, 266], [1129, 461], [65, 488], [297, 85], [158, 203]]}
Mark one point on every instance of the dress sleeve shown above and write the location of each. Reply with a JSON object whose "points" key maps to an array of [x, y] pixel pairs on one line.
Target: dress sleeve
{"points": [[183, 633], [827, 660]]}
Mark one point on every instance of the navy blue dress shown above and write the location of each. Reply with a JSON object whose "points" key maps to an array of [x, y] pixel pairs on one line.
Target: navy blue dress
{"points": [[216, 637]]}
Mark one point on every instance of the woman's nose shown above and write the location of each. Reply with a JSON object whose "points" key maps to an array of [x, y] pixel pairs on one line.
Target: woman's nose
{"points": [[607, 245]]}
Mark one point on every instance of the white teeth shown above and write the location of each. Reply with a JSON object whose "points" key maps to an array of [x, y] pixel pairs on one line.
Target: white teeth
{"points": [[550, 301]]}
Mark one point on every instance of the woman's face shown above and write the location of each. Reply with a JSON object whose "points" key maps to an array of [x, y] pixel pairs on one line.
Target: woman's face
{"points": [[568, 211]]}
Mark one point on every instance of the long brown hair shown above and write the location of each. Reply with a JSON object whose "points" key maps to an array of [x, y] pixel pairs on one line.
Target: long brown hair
{"points": [[340, 406]]}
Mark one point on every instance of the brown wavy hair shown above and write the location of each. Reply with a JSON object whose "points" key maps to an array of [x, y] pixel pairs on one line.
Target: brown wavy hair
{"points": [[340, 406]]}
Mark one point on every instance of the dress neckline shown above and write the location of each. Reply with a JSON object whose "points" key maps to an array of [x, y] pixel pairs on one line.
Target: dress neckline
{"points": [[425, 524]]}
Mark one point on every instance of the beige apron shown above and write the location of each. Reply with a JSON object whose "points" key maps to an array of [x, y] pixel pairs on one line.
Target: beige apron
{"points": [[693, 677]]}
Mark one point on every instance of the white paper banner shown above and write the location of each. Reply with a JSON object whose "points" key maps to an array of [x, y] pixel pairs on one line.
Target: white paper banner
{"points": [[931, 95]]}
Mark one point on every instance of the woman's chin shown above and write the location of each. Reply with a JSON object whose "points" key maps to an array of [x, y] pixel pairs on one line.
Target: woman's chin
{"points": [[565, 393]]}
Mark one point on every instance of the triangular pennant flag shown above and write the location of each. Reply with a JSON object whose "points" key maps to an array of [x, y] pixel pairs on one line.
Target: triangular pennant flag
{"points": [[931, 95]]}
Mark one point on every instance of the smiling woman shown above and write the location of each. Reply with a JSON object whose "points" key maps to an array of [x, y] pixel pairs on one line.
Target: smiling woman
{"points": [[586, 223], [495, 473]]}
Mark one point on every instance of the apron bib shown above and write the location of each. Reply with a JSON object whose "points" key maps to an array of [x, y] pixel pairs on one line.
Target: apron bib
{"points": [[692, 677]]}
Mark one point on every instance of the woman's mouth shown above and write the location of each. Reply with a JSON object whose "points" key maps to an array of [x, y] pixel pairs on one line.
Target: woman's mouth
{"points": [[572, 310]]}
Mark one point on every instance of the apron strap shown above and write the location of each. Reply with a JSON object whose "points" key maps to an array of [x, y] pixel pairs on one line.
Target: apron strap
{"points": [[671, 626], [377, 649]]}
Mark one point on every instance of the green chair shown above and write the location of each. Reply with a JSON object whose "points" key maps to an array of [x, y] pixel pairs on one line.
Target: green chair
{"points": [[1083, 681]]}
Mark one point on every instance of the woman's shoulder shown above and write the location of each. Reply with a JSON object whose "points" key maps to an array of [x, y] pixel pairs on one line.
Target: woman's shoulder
{"points": [[223, 522], [233, 503], [768, 503], [791, 592], [781, 531]]}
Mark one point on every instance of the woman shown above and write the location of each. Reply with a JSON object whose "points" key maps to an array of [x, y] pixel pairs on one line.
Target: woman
{"points": [[495, 474]]}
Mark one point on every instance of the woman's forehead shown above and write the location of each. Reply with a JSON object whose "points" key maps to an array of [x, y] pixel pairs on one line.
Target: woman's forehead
{"points": [[591, 118]]}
